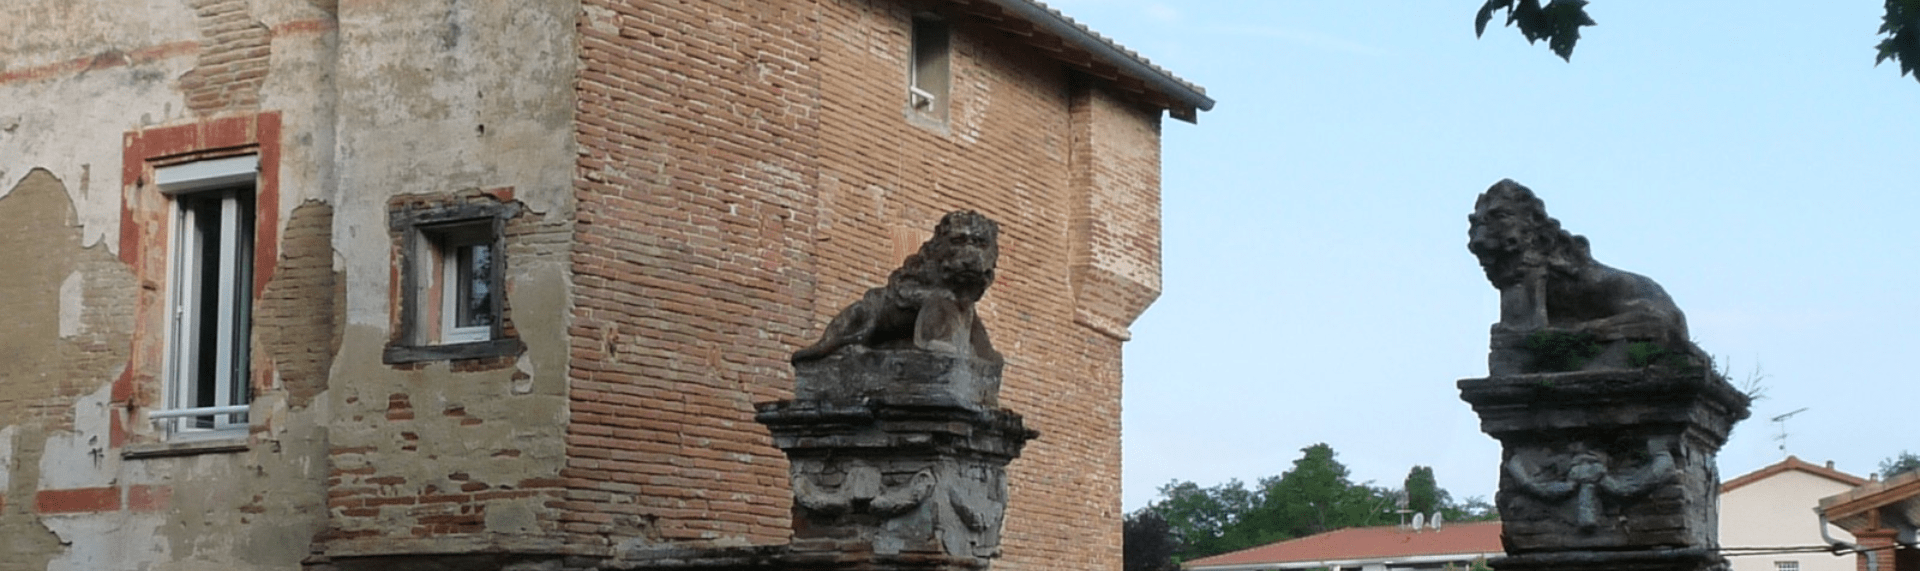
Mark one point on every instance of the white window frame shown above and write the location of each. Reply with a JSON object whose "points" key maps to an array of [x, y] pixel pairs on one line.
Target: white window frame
{"points": [[230, 181], [445, 248]]}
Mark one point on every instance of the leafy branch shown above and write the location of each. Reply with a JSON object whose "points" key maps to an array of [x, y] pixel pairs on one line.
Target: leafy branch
{"points": [[1902, 28], [1559, 23]]}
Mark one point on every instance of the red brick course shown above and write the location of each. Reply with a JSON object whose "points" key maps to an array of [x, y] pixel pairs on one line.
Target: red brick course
{"points": [[77, 500]]}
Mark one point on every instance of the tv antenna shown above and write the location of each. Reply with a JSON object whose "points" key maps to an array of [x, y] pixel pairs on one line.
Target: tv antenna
{"points": [[1782, 421]]}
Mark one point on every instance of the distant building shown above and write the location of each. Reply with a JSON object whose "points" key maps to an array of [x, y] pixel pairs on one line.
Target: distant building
{"points": [[1769, 507], [1774, 507], [1384, 548], [1883, 518]]}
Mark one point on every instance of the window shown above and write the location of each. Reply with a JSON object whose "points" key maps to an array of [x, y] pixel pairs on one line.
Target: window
{"points": [[1786, 566], [452, 263], [458, 283], [209, 295], [929, 76]]}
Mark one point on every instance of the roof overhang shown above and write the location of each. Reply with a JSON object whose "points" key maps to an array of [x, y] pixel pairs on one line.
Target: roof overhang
{"points": [[1409, 560], [1872, 505], [1088, 51]]}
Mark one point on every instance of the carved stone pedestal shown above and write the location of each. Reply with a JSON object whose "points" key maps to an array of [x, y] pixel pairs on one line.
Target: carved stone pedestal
{"points": [[1608, 469], [898, 456]]}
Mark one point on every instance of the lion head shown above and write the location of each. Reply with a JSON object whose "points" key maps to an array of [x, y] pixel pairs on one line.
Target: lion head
{"points": [[1511, 234], [960, 256]]}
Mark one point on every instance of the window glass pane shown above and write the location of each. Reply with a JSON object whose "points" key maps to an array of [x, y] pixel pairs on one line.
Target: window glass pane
{"points": [[476, 299], [212, 295]]}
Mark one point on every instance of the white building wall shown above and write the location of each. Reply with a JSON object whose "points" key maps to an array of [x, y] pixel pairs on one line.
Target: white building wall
{"points": [[1778, 512]]}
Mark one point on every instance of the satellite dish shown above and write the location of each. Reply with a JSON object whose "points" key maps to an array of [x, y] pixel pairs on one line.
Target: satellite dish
{"points": [[1418, 521], [1436, 521]]}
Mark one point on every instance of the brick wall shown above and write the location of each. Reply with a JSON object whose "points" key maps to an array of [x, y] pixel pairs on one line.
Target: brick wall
{"points": [[1006, 151], [750, 168], [234, 51], [692, 266]]}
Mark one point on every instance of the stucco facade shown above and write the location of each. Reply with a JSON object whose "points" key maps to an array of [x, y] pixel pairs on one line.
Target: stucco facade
{"points": [[1774, 507], [342, 284]]}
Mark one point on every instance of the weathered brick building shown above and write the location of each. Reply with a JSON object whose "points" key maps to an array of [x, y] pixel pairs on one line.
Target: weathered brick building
{"points": [[337, 283]]}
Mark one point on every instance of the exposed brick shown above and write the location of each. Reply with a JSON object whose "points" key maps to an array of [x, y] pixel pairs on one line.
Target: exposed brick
{"points": [[143, 498], [77, 500]]}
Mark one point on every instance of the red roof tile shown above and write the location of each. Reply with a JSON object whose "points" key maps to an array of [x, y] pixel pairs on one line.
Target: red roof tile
{"points": [[1791, 463], [1366, 543]]}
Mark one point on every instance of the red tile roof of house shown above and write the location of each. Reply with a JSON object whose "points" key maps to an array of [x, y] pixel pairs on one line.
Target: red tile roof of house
{"points": [[1792, 463], [1366, 544]]}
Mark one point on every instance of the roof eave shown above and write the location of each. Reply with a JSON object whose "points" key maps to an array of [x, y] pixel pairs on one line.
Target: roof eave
{"points": [[1861, 500], [1188, 99], [1350, 562]]}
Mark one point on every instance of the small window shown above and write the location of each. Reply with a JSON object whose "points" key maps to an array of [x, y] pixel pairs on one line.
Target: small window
{"points": [[452, 271], [459, 281], [930, 75], [1786, 566], [209, 298]]}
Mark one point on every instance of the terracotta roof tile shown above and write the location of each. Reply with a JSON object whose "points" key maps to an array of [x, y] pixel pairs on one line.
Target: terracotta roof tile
{"points": [[1360, 543], [1791, 463]]}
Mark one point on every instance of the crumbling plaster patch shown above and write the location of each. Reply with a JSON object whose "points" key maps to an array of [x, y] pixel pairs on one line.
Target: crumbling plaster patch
{"points": [[73, 300], [81, 458], [79, 144], [6, 456], [430, 106], [105, 541], [125, 59], [47, 32]]}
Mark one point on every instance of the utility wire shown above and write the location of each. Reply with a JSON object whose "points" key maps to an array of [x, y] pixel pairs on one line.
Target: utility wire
{"points": [[1836, 550]]}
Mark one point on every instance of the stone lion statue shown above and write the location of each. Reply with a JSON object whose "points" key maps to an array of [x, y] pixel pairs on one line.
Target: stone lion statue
{"points": [[929, 302], [1549, 283]]}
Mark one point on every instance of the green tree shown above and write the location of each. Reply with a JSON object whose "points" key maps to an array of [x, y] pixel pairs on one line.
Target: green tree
{"points": [[1147, 542], [1315, 496], [1559, 22], [1423, 492], [1897, 465], [1201, 518], [1475, 508]]}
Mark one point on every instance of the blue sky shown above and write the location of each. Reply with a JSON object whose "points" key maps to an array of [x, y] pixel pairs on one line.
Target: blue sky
{"points": [[1748, 156]]}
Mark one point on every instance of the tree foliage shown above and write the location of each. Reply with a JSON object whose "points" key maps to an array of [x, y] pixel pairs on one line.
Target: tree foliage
{"points": [[1559, 22], [1316, 495], [1200, 518], [1423, 492], [1147, 542], [1905, 462], [1901, 26]]}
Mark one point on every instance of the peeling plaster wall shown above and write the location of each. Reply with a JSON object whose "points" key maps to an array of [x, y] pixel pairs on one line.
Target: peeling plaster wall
{"points": [[78, 78], [451, 100], [53, 364], [769, 175], [436, 99]]}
